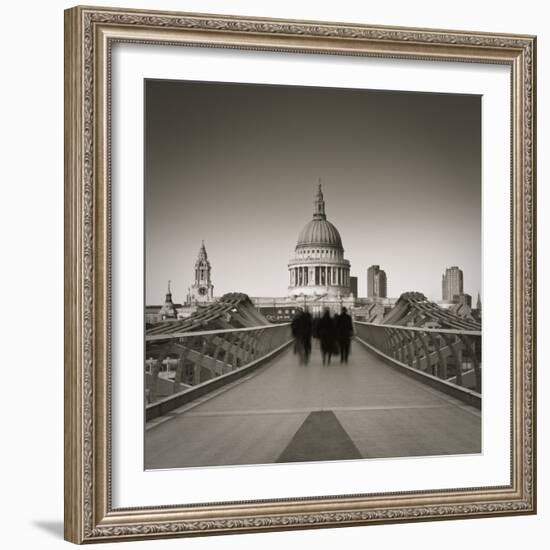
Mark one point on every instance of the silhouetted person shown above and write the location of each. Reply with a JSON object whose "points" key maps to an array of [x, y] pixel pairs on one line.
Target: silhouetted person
{"points": [[336, 347], [344, 332], [306, 323], [326, 336], [315, 331], [301, 331], [296, 327]]}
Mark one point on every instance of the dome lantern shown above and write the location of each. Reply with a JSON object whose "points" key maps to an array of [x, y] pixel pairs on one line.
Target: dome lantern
{"points": [[319, 213]]}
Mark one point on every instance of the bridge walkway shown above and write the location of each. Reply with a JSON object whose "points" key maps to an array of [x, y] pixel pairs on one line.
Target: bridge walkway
{"points": [[287, 412]]}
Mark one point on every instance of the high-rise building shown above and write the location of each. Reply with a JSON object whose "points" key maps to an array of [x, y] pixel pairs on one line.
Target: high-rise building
{"points": [[353, 286], [452, 283], [377, 283]]}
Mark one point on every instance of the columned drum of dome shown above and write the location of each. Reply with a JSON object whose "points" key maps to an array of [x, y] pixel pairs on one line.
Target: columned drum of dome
{"points": [[319, 268]]}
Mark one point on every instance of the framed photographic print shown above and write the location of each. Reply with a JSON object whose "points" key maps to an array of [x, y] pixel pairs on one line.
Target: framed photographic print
{"points": [[300, 274]]}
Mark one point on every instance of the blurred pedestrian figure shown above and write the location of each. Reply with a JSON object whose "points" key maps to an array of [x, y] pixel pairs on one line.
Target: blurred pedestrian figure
{"points": [[327, 336], [315, 327], [344, 332], [296, 327], [306, 323], [336, 347]]}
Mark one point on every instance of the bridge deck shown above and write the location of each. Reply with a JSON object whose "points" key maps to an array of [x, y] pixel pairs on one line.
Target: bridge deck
{"points": [[287, 412]]}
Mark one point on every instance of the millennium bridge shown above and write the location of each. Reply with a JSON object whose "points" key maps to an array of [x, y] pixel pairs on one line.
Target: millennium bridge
{"points": [[225, 388]]}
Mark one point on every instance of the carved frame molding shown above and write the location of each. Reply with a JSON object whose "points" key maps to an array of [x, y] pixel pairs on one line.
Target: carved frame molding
{"points": [[89, 35]]}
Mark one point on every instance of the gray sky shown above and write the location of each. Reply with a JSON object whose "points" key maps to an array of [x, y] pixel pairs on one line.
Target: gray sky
{"points": [[237, 165]]}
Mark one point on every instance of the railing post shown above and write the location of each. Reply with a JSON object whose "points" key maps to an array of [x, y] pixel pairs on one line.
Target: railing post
{"points": [[243, 348], [469, 345], [179, 372], [402, 350], [395, 345], [441, 370], [236, 350], [229, 349], [453, 347], [256, 335], [424, 344], [153, 388], [410, 348], [219, 346]]}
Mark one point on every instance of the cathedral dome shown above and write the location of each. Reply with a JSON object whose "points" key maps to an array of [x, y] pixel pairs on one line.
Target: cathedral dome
{"points": [[319, 267], [319, 232]]}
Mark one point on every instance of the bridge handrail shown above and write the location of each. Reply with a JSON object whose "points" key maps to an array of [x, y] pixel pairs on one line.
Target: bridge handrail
{"points": [[443, 353], [421, 329], [188, 334], [205, 361], [453, 389]]}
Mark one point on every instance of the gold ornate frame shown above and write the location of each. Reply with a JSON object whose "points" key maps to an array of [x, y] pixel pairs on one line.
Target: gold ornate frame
{"points": [[89, 35]]}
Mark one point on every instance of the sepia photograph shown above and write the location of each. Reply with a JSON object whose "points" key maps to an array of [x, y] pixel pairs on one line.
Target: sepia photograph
{"points": [[313, 268], [300, 272]]}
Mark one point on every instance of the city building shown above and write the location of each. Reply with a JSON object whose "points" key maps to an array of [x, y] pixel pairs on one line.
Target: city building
{"points": [[319, 279], [353, 286], [377, 283], [319, 275], [319, 268], [202, 290], [168, 310], [462, 307], [278, 314], [463, 298], [452, 283]]}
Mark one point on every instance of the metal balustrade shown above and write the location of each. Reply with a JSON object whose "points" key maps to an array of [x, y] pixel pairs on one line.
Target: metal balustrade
{"points": [[179, 363], [450, 355]]}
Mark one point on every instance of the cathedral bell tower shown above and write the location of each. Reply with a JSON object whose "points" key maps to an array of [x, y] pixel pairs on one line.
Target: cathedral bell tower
{"points": [[202, 290]]}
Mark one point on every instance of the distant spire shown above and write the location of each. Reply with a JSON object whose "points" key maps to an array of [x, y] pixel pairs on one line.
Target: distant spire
{"points": [[202, 252], [478, 305], [168, 310], [319, 213], [202, 259]]}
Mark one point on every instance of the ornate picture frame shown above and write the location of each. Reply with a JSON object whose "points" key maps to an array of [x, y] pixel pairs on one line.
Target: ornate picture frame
{"points": [[90, 34]]}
